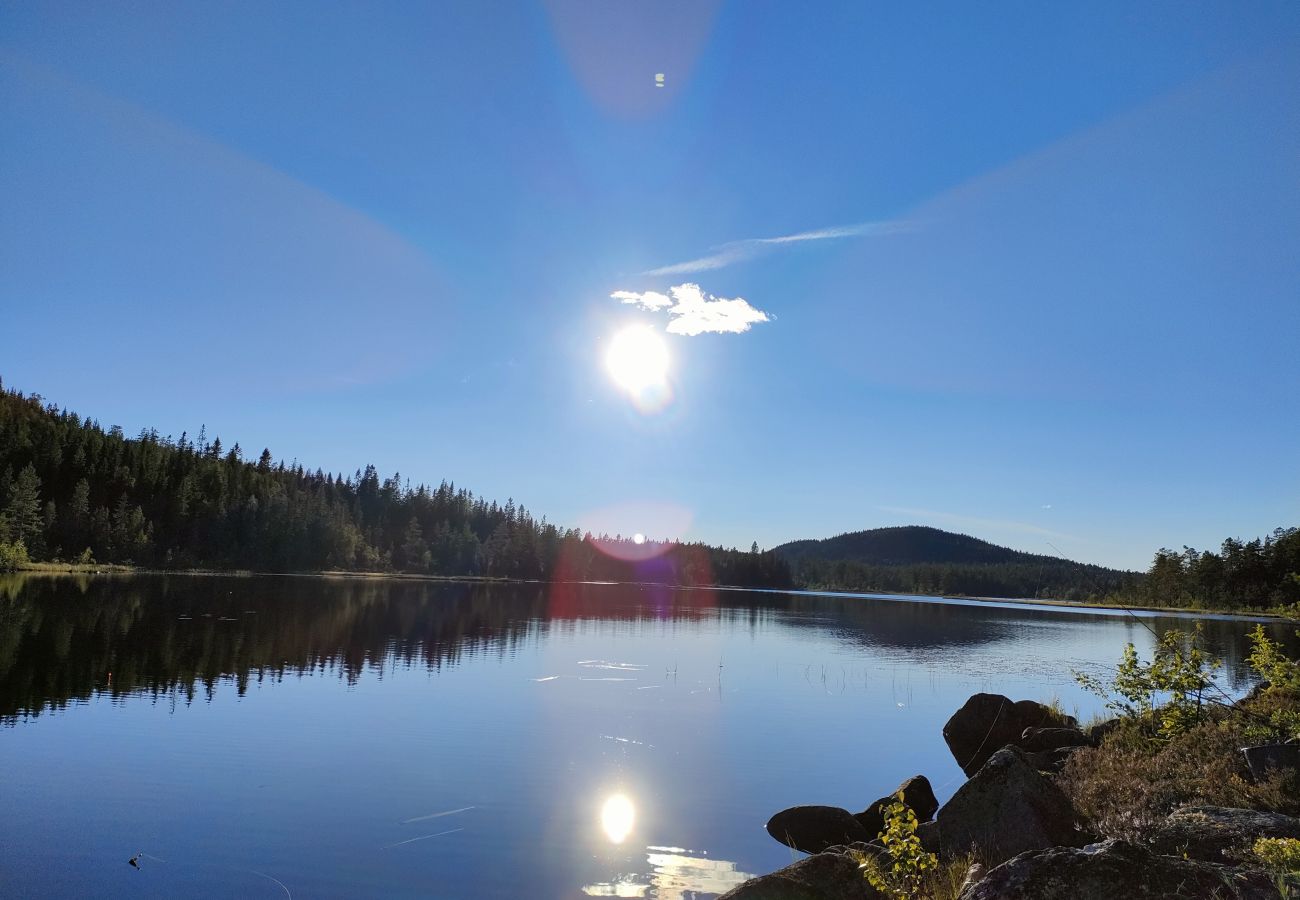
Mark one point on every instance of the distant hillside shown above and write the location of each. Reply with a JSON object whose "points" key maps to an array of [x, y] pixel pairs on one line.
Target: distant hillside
{"points": [[905, 545], [918, 559]]}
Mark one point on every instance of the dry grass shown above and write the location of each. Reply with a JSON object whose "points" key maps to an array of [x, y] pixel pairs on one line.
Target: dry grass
{"points": [[1131, 782], [945, 881]]}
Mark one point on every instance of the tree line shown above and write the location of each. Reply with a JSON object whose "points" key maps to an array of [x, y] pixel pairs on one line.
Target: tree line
{"points": [[71, 490], [1051, 578], [1261, 573]]}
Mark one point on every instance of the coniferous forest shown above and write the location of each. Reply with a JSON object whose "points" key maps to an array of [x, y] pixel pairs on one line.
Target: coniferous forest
{"points": [[73, 491]]}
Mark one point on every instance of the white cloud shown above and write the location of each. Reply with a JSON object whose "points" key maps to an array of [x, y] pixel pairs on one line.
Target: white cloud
{"points": [[651, 300], [691, 311], [739, 251]]}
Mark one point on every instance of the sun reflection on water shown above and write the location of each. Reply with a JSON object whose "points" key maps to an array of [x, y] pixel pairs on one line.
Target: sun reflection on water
{"points": [[617, 817], [675, 874]]}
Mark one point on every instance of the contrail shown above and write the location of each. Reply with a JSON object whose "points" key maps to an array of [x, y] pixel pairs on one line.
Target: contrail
{"points": [[421, 838], [438, 815]]}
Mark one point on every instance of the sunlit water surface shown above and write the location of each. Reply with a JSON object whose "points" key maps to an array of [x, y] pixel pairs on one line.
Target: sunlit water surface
{"points": [[306, 737]]}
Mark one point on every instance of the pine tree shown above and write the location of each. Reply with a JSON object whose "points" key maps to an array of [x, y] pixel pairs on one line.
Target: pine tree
{"points": [[23, 511]]}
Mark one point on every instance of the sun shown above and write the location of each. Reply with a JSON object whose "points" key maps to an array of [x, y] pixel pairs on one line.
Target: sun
{"points": [[637, 360]]}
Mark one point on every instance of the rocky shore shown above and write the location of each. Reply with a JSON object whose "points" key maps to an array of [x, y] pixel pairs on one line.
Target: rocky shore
{"points": [[1022, 834]]}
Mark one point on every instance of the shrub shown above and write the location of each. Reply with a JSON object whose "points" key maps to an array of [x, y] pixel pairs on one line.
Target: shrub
{"points": [[1281, 856], [1131, 782], [900, 873], [1180, 672], [905, 870], [1271, 664], [1277, 708], [13, 556]]}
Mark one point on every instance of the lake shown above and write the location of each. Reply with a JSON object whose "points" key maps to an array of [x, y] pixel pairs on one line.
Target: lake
{"points": [[327, 737]]}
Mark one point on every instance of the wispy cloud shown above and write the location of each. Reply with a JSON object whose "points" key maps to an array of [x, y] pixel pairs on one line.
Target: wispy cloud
{"points": [[691, 311], [738, 251], [651, 300], [930, 515]]}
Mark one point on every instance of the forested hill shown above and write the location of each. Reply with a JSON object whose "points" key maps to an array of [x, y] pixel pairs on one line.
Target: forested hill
{"points": [[71, 490], [906, 545], [921, 560]]}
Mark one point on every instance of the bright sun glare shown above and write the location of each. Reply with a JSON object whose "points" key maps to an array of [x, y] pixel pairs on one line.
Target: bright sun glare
{"points": [[637, 359], [617, 817]]}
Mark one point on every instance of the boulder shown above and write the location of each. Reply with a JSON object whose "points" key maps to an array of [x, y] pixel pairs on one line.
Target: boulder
{"points": [[988, 722], [1051, 760], [917, 794], [1219, 834], [1008, 807], [1115, 869], [974, 875], [1037, 740], [1101, 729], [814, 828], [825, 876], [928, 833]]}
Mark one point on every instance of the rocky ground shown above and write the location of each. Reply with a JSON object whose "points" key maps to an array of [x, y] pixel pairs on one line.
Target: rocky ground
{"points": [[1028, 840]]}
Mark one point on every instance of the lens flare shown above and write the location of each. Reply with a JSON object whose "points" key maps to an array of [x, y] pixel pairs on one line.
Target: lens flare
{"points": [[637, 360], [617, 817]]}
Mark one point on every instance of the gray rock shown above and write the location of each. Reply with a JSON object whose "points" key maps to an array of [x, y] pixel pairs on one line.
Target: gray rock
{"points": [[1115, 869], [1051, 760], [826, 876], [974, 875], [1219, 834], [988, 722], [814, 828], [1037, 740], [928, 832], [1101, 729], [917, 794], [1008, 807]]}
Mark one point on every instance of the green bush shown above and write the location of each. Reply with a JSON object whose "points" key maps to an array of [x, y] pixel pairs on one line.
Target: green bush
{"points": [[1179, 673], [1186, 752], [901, 872], [1271, 664], [1277, 712], [1281, 856], [13, 556]]}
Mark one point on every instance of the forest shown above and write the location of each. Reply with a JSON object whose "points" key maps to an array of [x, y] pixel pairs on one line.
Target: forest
{"points": [[72, 491], [915, 559], [1263, 573], [1059, 579]]}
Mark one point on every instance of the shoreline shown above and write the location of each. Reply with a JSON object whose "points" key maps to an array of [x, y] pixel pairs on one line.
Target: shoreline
{"points": [[1245, 614], [64, 569]]}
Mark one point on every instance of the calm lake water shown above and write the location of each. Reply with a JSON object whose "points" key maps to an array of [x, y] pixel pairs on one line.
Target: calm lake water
{"points": [[308, 737]]}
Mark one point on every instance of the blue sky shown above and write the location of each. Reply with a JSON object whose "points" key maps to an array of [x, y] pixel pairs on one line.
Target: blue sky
{"points": [[1049, 291]]}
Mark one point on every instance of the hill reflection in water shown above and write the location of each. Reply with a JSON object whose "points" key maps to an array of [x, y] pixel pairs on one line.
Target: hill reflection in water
{"points": [[64, 639], [395, 737]]}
